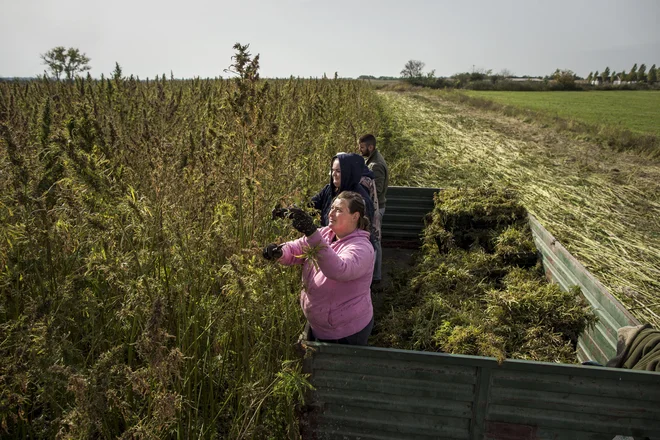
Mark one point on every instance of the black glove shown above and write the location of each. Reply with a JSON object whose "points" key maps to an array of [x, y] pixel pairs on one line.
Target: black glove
{"points": [[272, 252], [280, 213], [302, 221]]}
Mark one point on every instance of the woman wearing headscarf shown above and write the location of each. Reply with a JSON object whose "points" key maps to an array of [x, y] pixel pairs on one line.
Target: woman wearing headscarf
{"points": [[346, 170]]}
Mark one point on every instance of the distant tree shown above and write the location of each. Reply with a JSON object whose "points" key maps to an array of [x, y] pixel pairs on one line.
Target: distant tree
{"points": [[55, 59], [606, 75], [505, 73], [565, 78], [65, 61], [641, 73], [632, 76], [461, 79], [595, 76], [653, 75], [590, 77], [412, 69], [480, 74]]}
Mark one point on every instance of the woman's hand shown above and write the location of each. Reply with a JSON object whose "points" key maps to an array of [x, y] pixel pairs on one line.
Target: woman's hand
{"points": [[302, 221], [272, 251]]}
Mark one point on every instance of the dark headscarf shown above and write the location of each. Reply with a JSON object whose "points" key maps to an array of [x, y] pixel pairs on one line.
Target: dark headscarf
{"points": [[352, 168]]}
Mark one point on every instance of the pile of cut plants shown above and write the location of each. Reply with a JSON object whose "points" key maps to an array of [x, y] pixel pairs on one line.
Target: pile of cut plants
{"points": [[478, 287]]}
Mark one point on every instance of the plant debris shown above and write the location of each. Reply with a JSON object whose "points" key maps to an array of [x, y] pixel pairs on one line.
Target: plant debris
{"points": [[478, 287]]}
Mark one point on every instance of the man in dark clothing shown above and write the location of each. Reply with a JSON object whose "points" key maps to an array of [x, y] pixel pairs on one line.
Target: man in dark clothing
{"points": [[378, 166], [346, 172]]}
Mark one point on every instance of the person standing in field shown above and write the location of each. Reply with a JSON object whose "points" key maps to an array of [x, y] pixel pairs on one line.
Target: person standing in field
{"points": [[376, 163], [338, 263]]}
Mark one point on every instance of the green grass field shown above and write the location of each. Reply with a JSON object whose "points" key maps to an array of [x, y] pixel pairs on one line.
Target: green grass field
{"points": [[638, 111]]}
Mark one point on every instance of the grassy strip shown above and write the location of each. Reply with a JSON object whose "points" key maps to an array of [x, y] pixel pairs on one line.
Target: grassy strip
{"points": [[619, 125], [602, 205]]}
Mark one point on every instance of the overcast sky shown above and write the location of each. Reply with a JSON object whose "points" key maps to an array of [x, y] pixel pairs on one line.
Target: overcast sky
{"points": [[309, 38]]}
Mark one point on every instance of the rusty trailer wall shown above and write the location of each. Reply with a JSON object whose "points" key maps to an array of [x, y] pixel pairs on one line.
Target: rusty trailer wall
{"points": [[376, 393], [387, 394]]}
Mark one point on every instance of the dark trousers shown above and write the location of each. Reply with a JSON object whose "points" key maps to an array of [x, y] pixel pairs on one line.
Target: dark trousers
{"points": [[359, 338]]}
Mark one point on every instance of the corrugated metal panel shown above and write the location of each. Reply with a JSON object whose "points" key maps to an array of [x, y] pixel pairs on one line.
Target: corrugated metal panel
{"points": [[572, 404], [365, 392], [405, 211], [598, 343], [386, 394], [376, 393]]}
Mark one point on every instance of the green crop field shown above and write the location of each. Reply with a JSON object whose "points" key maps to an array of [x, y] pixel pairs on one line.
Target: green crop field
{"points": [[638, 111], [134, 301]]}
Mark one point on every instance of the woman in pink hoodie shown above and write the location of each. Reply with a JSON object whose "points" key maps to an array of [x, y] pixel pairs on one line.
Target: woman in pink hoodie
{"points": [[336, 295]]}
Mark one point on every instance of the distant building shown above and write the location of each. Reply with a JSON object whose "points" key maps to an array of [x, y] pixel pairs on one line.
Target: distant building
{"points": [[619, 81], [597, 80], [524, 79]]}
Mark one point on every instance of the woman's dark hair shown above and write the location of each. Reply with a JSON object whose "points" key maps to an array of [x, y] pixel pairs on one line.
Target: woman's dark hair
{"points": [[356, 204]]}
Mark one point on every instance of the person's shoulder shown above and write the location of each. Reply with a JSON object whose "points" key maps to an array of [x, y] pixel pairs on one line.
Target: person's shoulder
{"points": [[378, 168], [380, 158], [326, 190], [364, 192], [359, 238]]}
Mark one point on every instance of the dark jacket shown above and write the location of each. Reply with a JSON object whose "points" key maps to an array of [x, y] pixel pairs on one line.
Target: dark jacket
{"points": [[352, 167]]}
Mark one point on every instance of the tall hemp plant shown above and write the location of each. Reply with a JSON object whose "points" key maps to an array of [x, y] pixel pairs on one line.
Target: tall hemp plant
{"points": [[133, 301]]}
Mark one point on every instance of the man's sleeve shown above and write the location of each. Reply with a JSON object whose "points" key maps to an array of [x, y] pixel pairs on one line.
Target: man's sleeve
{"points": [[379, 173]]}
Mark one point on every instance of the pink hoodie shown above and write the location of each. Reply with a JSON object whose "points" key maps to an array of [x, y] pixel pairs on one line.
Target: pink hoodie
{"points": [[336, 298]]}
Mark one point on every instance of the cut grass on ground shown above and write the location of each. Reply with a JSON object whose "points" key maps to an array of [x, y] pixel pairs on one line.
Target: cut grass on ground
{"points": [[604, 206], [635, 110]]}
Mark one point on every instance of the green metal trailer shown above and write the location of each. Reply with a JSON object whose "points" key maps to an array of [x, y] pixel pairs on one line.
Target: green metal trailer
{"points": [[378, 393]]}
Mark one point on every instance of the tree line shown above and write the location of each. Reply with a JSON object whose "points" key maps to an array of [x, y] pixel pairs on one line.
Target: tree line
{"points": [[560, 79], [636, 74]]}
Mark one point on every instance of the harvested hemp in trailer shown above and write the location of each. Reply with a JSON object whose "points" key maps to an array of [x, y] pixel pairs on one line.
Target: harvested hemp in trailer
{"points": [[479, 289]]}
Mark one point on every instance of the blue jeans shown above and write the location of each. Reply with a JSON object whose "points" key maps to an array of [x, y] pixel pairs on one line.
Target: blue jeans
{"points": [[379, 251], [359, 338]]}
